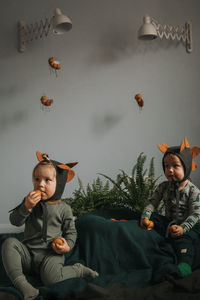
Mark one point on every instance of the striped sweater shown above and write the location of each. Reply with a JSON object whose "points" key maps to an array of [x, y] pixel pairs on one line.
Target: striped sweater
{"points": [[182, 207]]}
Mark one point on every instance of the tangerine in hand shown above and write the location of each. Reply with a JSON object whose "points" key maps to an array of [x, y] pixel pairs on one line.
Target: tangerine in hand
{"points": [[38, 192], [58, 241], [173, 228], [145, 221], [151, 224]]}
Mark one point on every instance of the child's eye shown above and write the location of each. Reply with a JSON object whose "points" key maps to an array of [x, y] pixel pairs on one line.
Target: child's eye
{"points": [[36, 179]]}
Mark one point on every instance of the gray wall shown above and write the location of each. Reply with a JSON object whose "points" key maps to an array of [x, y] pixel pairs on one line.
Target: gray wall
{"points": [[95, 119]]}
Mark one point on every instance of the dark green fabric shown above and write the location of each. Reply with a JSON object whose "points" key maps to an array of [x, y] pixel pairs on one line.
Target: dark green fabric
{"points": [[187, 288], [121, 251], [185, 269]]}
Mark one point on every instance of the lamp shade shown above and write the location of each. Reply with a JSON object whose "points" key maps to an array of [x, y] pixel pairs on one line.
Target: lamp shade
{"points": [[61, 23], [147, 31]]}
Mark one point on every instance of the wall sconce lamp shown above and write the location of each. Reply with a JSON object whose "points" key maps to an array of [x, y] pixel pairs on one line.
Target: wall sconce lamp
{"points": [[151, 29], [28, 33]]}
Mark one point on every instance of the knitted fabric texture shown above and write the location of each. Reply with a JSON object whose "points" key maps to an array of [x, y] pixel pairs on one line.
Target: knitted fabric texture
{"points": [[61, 179]]}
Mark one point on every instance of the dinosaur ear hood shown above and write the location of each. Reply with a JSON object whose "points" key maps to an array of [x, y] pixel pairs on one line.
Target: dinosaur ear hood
{"points": [[186, 158], [185, 154], [64, 174]]}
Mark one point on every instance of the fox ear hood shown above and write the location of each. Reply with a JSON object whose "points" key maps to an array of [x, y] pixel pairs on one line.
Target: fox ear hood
{"points": [[184, 152], [64, 173]]}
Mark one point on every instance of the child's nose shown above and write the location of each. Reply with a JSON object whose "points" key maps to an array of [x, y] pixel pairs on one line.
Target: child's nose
{"points": [[41, 183]]}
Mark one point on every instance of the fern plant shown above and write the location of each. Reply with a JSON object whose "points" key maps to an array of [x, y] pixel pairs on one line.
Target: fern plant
{"points": [[136, 190], [94, 197], [128, 192]]}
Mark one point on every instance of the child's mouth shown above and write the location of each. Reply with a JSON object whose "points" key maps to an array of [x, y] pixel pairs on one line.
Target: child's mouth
{"points": [[43, 194]]}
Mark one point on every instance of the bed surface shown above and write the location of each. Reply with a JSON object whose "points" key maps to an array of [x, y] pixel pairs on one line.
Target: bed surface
{"points": [[132, 263]]}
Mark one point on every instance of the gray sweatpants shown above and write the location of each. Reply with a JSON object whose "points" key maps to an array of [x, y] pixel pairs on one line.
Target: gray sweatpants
{"points": [[18, 260]]}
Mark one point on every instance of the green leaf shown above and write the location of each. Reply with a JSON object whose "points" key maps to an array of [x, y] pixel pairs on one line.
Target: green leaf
{"points": [[125, 191]]}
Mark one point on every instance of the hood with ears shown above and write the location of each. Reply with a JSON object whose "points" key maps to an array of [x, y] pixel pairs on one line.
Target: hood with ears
{"points": [[64, 174], [185, 153]]}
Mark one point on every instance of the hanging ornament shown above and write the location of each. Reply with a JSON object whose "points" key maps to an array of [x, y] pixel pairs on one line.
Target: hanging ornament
{"points": [[140, 101], [46, 103], [54, 64]]}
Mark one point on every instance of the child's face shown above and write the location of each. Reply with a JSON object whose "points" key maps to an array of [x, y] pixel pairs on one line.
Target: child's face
{"points": [[174, 169], [44, 179]]}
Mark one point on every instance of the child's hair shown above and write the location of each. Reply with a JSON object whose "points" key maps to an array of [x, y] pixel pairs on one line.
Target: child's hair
{"points": [[43, 163]]}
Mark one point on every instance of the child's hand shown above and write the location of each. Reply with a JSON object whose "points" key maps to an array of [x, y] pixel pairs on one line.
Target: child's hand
{"points": [[176, 230], [32, 199], [146, 223], [60, 245]]}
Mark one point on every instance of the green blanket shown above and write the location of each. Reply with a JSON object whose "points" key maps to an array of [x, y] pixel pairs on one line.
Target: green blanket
{"points": [[121, 251]]}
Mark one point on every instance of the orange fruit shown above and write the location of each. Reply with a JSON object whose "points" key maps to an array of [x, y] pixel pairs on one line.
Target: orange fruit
{"points": [[51, 59], [58, 67], [38, 192], [138, 96], [173, 228], [145, 221], [58, 241], [151, 224], [43, 98]]}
